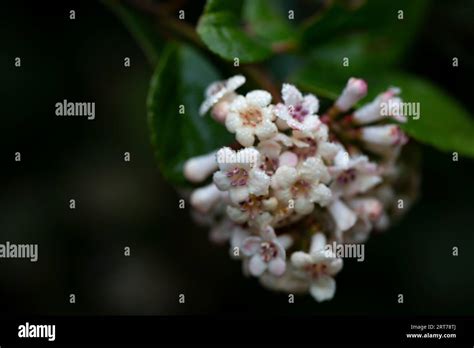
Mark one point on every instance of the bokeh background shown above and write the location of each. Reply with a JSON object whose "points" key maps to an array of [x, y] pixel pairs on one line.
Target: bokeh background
{"points": [[122, 204]]}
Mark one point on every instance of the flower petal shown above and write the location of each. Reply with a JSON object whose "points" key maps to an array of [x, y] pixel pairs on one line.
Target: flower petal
{"points": [[257, 266], [291, 95], [258, 98], [323, 288], [277, 267], [251, 245], [245, 136]]}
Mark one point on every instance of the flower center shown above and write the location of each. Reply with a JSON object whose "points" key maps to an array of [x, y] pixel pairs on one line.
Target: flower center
{"points": [[268, 251], [315, 269], [269, 165], [347, 176], [253, 206], [298, 113], [251, 116], [301, 187], [238, 176]]}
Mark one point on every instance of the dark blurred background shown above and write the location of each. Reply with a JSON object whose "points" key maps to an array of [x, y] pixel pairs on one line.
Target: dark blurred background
{"points": [[123, 204]]}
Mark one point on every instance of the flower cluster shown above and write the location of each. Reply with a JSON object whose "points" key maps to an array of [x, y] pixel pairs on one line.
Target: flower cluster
{"points": [[296, 180]]}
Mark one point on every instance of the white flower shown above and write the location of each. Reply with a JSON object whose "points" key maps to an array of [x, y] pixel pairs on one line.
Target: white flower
{"points": [[355, 90], [313, 144], [197, 169], [353, 175], [255, 211], [298, 112], [265, 252], [220, 90], [319, 266], [251, 116], [385, 104], [240, 178], [302, 185]]}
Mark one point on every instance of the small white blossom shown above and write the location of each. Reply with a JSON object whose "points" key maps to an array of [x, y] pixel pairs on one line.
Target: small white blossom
{"points": [[353, 175], [303, 185], [243, 178], [265, 252], [219, 91], [251, 116], [319, 266], [297, 112]]}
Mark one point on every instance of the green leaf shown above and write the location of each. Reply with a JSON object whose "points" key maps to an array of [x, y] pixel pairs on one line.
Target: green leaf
{"points": [[181, 79], [443, 122], [140, 27], [265, 20], [243, 29], [367, 35]]}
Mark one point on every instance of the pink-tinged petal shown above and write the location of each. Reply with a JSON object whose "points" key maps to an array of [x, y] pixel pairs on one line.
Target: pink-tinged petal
{"points": [[220, 111], [277, 267], [311, 104], [258, 182], [266, 129], [221, 180], [323, 288], [301, 259], [258, 98], [239, 194], [291, 95], [342, 215], [268, 234], [245, 136], [251, 245], [237, 215], [257, 266], [288, 158]]}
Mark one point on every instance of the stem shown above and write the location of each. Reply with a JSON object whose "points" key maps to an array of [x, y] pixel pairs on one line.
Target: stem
{"points": [[187, 32]]}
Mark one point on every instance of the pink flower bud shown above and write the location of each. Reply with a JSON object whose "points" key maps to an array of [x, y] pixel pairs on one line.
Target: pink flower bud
{"points": [[383, 135], [355, 90]]}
